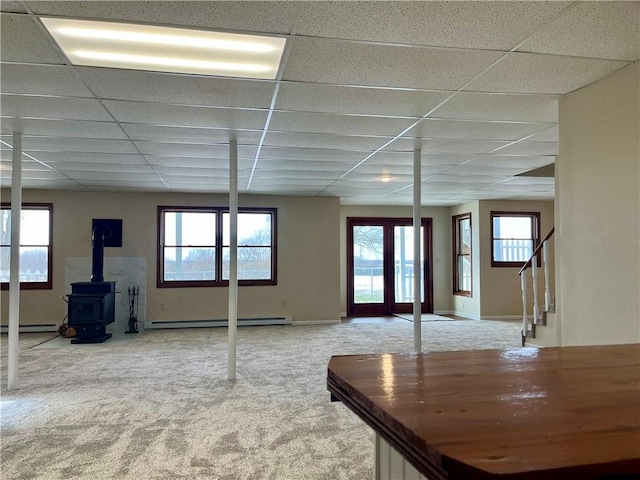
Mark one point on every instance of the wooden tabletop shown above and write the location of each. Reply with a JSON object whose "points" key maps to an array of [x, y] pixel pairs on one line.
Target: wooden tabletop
{"points": [[527, 413]]}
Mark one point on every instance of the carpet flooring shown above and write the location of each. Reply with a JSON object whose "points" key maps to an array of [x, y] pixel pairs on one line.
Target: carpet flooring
{"points": [[425, 317], [158, 406]]}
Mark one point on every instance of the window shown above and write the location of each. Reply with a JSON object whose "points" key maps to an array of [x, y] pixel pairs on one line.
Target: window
{"points": [[36, 233], [514, 237], [462, 255], [193, 246]]}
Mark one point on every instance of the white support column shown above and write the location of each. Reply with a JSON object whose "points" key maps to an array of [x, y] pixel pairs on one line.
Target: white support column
{"points": [[233, 258], [417, 220], [14, 278]]}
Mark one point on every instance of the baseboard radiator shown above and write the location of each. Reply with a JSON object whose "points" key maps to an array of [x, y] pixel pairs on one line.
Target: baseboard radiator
{"points": [[256, 321], [41, 327]]}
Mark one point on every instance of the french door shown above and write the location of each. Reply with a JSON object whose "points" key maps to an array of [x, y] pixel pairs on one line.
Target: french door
{"points": [[380, 266]]}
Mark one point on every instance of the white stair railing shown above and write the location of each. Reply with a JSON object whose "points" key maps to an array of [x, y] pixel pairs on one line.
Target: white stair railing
{"points": [[529, 326]]}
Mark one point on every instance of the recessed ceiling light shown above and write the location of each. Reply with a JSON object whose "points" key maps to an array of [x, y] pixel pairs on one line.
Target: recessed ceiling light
{"points": [[386, 178], [165, 49]]}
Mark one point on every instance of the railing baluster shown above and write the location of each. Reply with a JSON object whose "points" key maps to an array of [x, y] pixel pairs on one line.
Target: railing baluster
{"points": [[525, 319], [545, 266], [534, 277]]}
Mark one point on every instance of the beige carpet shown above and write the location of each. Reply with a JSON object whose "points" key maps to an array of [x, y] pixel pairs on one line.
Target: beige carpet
{"points": [[159, 406]]}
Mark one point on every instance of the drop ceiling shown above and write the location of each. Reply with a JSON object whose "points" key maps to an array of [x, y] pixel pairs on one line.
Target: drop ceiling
{"points": [[474, 85]]}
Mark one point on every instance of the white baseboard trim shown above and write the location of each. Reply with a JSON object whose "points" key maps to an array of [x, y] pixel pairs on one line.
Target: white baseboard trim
{"points": [[256, 321], [470, 316], [44, 327], [503, 317], [302, 323]]}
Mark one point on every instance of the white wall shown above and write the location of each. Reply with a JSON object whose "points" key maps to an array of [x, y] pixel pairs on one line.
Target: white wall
{"points": [[441, 229], [308, 252], [598, 244]]}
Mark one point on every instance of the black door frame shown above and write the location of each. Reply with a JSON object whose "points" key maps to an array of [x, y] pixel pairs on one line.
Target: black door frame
{"points": [[388, 306]]}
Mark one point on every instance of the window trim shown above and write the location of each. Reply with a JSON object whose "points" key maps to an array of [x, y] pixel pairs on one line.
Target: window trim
{"points": [[535, 218], [48, 285], [219, 247], [455, 223]]}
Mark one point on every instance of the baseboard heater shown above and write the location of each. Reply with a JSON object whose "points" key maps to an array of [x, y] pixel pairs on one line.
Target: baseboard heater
{"points": [[218, 323], [40, 327]]}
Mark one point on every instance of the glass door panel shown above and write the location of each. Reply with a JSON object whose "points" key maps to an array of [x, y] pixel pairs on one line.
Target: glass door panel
{"points": [[403, 263], [368, 264]]}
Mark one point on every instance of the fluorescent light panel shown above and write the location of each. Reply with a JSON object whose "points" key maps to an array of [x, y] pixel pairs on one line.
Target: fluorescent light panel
{"points": [[165, 49]]}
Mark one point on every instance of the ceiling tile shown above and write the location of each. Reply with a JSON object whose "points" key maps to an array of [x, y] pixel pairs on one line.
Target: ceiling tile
{"points": [[592, 29], [316, 140], [307, 97], [447, 145], [530, 148], [22, 40], [474, 129], [350, 63], [294, 174], [37, 144], [549, 135], [542, 74], [451, 177], [311, 155], [193, 150], [200, 179], [510, 161], [89, 157], [311, 166], [116, 177], [255, 16], [180, 164], [547, 181], [53, 107], [337, 124], [9, 6], [78, 166], [138, 131], [172, 88], [260, 180], [487, 106], [391, 169], [183, 171], [63, 128], [162, 114], [406, 158], [61, 183], [477, 25], [42, 80], [472, 169]]}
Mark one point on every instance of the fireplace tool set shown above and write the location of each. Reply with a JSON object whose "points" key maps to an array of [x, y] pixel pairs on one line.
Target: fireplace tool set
{"points": [[133, 292]]}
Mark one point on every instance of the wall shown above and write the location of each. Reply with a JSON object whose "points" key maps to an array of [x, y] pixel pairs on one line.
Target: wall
{"points": [[441, 229], [502, 295], [599, 212], [308, 253], [470, 306]]}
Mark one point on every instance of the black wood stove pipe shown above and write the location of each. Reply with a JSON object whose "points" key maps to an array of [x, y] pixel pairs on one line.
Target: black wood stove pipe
{"points": [[97, 264]]}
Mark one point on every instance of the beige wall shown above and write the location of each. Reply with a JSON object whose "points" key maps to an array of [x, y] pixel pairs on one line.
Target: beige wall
{"points": [[461, 305], [501, 293], [308, 252], [441, 229], [599, 212]]}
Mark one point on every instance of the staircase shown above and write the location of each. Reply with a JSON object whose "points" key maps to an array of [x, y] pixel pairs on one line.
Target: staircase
{"points": [[539, 316]]}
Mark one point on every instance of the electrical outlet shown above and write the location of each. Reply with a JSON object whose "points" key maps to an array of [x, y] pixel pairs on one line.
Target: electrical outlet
{"points": [[162, 307], [283, 303]]}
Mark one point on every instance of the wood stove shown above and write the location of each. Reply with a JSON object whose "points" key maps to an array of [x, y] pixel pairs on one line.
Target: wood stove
{"points": [[92, 304]]}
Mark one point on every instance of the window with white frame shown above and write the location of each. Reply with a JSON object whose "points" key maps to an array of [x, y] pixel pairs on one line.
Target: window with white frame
{"points": [[514, 237]]}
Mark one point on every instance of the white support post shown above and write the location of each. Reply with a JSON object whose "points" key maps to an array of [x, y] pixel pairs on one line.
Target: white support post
{"points": [[14, 265], [233, 258], [534, 278], [417, 220], [525, 319], [545, 266]]}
